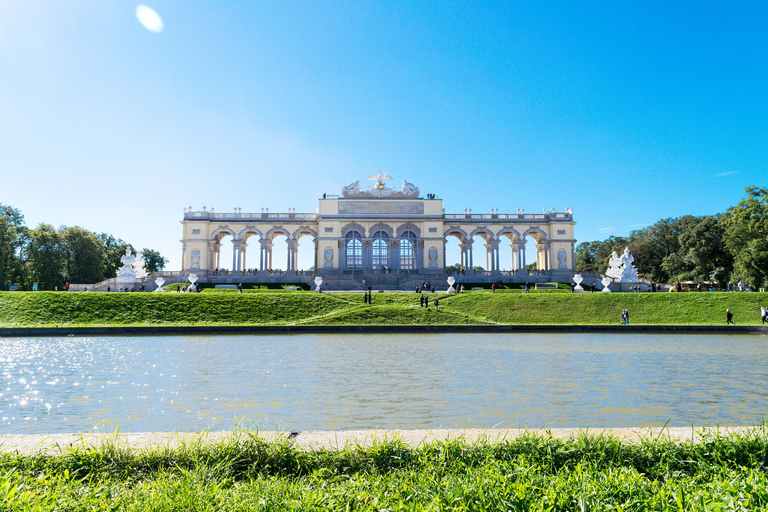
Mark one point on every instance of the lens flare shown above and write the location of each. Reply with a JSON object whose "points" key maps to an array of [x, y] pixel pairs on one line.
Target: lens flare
{"points": [[149, 18]]}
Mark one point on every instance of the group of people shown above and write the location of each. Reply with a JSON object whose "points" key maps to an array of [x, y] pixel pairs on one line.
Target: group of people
{"points": [[425, 287], [424, 302], [624, 317], [142, 288]]}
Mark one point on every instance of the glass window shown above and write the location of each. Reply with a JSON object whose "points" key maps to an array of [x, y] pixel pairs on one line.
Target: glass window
{"points": [[408, 250], [380, 249], [354, 250]]}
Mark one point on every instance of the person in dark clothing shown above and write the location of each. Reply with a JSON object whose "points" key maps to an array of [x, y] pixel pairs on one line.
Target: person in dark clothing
{"points": [[728, 317]]}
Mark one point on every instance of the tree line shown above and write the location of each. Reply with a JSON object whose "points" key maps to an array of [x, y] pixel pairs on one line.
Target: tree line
{"points": [[52, 257], [730, 246]]}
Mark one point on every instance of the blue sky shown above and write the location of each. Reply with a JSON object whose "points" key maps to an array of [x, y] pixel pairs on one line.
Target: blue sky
{"points": [[625, 112]]}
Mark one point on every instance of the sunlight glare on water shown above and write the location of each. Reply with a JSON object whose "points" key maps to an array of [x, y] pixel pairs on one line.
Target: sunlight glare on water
{"points": [[356, 381]]}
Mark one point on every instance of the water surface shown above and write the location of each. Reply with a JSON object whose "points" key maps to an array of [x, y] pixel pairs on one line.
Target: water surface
{"points": [[355, 381]]}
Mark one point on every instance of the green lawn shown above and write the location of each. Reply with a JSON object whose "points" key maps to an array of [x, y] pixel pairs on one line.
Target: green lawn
{"points": [[528, 473], [272, 307]]}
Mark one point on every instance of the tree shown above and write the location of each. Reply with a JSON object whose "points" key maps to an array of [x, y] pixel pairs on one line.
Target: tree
{"points": [[153, 261], [12, 234], [703, 250], [746, 236], [84, 255], [44, 254]]}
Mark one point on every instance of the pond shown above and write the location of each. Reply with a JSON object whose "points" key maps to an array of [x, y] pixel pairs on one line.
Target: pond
{"points": [[359, 381]]}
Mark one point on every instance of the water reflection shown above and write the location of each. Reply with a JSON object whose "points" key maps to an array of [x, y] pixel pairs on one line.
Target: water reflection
{"points": [[303, 382]]}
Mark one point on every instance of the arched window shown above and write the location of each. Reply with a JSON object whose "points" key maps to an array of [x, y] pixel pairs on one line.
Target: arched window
{"points": [[353, 254], [408, 250], [380, 249]]}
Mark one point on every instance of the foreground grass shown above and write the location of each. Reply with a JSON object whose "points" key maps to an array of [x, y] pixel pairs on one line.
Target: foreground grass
{"points": [[527, 473], [307, 308]]}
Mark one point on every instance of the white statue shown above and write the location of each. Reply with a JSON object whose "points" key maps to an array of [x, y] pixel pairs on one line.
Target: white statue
{"points": [[605, 282], [432, 258], [628, 271], [133, 267], [351, 189], [318, 282], [451, 282], [410, 189], [577, 278], [380, 189], [621, 267], [328, 258], [614, 264]]}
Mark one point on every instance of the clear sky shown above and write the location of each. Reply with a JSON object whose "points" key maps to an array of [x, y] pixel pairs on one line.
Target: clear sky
{"points": [[627, 112]]}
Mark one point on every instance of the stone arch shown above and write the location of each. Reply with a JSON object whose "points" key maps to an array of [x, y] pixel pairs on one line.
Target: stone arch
{"points": [[539, 252], [456, 254], [408, 226], [457, 232], [509, 254], [248, 232], [302, 231], [277, 231], [221, 232], [483, 232], [511, 233], [352, 226], [383, 227], [536, 233]]}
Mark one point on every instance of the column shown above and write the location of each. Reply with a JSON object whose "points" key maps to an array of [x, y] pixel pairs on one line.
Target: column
{"points": [[269, 256], [290, 245], [243, 247], [547, 256], [471, 264], [184, 257], [317, 257], [263, 254]]}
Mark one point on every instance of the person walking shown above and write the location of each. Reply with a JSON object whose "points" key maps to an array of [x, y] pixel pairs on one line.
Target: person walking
{"points": [[764, 314], [728, 317]]}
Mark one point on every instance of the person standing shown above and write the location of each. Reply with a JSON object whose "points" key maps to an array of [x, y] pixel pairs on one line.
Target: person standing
{"points": [[764, 314], [728, 317]]}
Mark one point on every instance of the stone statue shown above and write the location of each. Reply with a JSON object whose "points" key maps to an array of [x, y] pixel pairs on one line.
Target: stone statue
{"points": [[351, 189], [628, 271], [614, 264], [410, 189], [561, 257], [196, 259], [380, 189], [328, 258], [133, 267], [433, 258], [621, 267]]}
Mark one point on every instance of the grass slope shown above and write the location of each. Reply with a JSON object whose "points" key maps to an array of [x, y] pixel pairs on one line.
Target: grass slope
{"points": [[279, 308], [527, 473]]}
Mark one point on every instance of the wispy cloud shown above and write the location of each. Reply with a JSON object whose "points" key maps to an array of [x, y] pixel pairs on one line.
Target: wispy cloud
{"points": [[640, 225], [606, 230], [722, 174]]}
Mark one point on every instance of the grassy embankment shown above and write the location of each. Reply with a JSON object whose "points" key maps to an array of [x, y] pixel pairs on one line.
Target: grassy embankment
{"points": [[527, 473], [307, 308]]}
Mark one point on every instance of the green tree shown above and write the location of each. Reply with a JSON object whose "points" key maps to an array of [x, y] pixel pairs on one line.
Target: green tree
{"points": [[84, 254], [703, 250], [746, 236], [45, 257], [153, 261], [12, 234]]}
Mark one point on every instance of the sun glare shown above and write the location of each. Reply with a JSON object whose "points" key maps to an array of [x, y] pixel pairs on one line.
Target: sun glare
{"points": [[149, 18]]}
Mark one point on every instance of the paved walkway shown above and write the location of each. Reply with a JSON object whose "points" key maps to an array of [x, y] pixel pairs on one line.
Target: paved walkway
{"points": [[57, 443]]}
